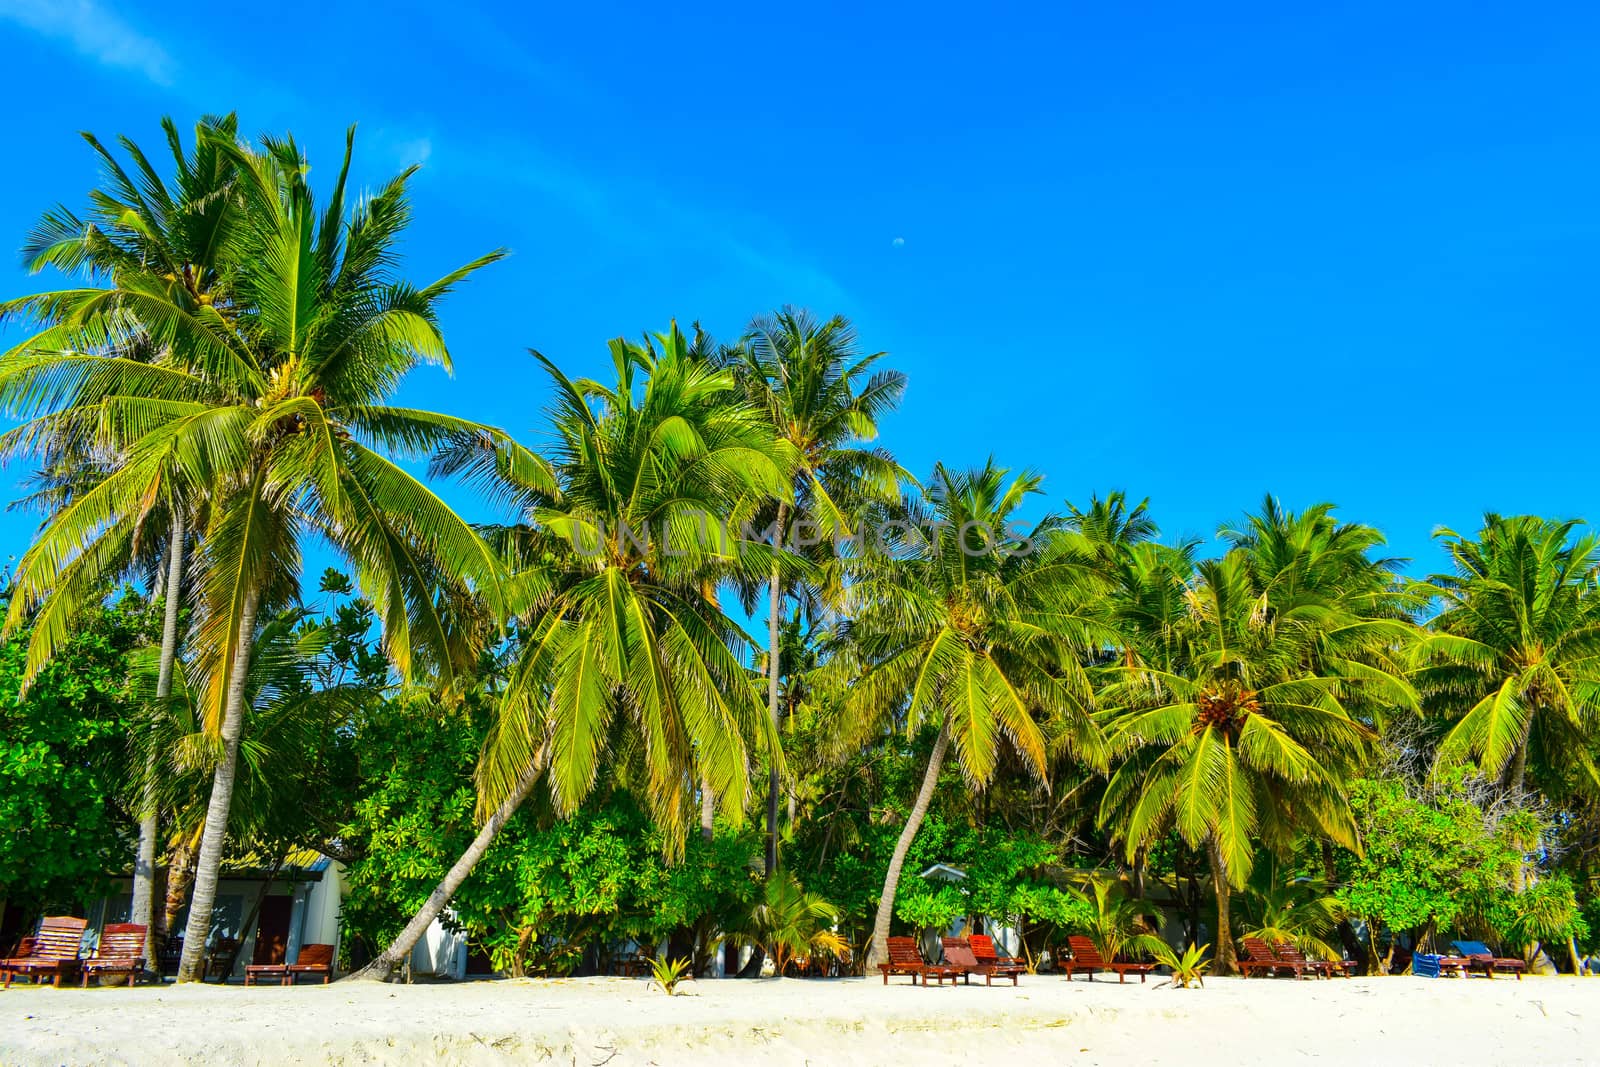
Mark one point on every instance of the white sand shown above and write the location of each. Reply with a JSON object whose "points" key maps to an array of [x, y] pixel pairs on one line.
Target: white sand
{"points": [[619, 1022]]}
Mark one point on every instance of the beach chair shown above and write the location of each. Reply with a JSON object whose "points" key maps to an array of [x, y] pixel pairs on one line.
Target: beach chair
{"points": [[1262, 957], [1290, 953], [313, 959], [121, 951], [1086, 958], [1479, 954], [1258, 958], [983, 949], [54, 952], [903, 959], [958, 953]]}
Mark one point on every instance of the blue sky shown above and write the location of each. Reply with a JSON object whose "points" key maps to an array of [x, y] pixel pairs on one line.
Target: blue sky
{"points": [[1196, 252]]}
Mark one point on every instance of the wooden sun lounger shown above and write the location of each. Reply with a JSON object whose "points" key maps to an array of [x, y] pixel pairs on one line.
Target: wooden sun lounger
{"points": [[903, 959], [1480, 956], [983, 949], [1261, 957], [54, 952], [121, 951], [1291, 954], [313, 959], [958, 953], [1085, 957]]}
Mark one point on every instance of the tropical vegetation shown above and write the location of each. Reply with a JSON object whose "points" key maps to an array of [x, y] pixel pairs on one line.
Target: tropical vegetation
{"points": [[720, 671]]}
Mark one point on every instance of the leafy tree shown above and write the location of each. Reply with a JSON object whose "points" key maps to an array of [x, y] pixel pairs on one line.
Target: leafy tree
{"points": [[66, 829], [787, 923], [1513, 657], [824, 399], [973, 628], [152, 244], [1240, 739], [621, 650], [275, 402], [1429, 861]]}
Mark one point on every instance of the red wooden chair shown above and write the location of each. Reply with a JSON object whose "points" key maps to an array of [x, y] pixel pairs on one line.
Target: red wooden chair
{"points": [[313, 959], [958, 953], [121, 951], [1258, 958], [1290, 953], [903, 959], [54, 951], [1087, 958], [983, 948]]}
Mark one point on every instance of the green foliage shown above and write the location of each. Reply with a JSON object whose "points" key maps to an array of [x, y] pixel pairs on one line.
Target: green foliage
{"points": [[65, 827], [787, 923], [1427, 859], [1188, 968], [668, 973], [547, 890], [1547, 910]]}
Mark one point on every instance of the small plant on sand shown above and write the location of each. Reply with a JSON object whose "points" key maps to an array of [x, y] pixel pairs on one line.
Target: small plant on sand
{"points": [[1187, 969], [786, 922], [668, 973]]}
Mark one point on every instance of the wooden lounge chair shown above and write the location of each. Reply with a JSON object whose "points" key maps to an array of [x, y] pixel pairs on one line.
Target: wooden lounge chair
{"points": [[903, 959], [256, 973], [958, 953], [54, 952], [1261, 957], [983, 949], [1479, 954], [1290, 953], [121, 951], [1085, 957], [313, 959]]}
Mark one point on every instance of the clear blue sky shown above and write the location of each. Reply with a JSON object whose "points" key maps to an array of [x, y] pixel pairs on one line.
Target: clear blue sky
{"points": [[1197, 252]]}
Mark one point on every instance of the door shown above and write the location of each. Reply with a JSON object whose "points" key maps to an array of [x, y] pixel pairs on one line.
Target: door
{"points": [[272, 929]]}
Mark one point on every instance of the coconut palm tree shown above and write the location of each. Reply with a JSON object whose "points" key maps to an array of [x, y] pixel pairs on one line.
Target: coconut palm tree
{"points": [[824, 399], [1234, 740], [976, 626], [786, 922], [1513, 656], [137, 232], [622, 654], [276, 402]]}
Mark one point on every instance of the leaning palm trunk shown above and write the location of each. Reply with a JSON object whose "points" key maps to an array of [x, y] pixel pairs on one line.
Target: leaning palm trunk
{"points": [[891, 881], [382, 968], [774, 606], [1227, 959], [208, 866], [144, 864], [708, 810]]}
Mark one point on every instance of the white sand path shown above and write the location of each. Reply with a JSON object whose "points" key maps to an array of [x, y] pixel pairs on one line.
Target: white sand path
{"points": [[621, 1022]]}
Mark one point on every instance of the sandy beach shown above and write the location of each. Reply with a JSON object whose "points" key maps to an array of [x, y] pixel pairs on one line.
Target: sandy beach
{"points": [[621, 1022]]}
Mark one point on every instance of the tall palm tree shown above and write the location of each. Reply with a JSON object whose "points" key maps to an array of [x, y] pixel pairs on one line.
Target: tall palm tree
{"points": [[976, 625], [276, 403], [1513, 656], [825, 399], [622, 654], [1233, 739], [138, 231]]}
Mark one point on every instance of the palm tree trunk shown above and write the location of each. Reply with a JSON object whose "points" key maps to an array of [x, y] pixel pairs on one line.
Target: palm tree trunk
{"points": [[774, 609], [891, 881], [1226, 958], [180, 876], [208, 867], [144, 863], [708, 810], [382, 968]]}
